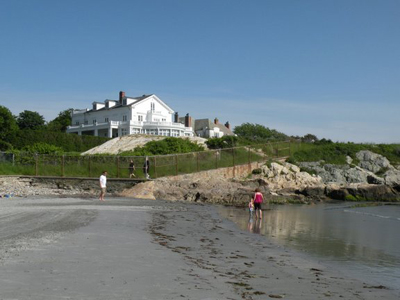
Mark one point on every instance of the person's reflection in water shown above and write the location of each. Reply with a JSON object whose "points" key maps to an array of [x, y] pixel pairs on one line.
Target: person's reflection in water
{"points": [[257, 226], [254, 225], [250, 224]]}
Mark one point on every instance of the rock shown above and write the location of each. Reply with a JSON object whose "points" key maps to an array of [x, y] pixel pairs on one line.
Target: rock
{"points": [[372, 162], [392, 177]]}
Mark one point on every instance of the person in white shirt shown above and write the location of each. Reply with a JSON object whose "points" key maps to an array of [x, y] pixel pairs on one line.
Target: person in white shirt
{"points": [[103, 185]]}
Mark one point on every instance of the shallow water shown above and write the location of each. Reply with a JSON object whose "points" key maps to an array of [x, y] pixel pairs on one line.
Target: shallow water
{"points": [[361, 241]]}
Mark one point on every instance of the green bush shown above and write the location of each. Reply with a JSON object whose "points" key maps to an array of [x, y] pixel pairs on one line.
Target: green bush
{"points": [[221, 143], [256, 171], [68, 142], [169, 145], [43, 148], [4, 146], [335, 153]]}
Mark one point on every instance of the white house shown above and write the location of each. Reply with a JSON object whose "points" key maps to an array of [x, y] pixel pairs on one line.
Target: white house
{"points": [[146, 114], [208, 129]]}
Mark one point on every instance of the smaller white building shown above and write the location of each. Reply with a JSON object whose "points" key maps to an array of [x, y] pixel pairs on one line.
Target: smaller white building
{"points": [[146, 114], [208, 129]]}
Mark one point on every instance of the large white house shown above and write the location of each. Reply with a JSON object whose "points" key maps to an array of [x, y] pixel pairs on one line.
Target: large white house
{"points": [[146, 114]]}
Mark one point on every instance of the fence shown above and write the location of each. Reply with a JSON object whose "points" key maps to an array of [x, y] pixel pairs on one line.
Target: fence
{"points": [[161, 165]]}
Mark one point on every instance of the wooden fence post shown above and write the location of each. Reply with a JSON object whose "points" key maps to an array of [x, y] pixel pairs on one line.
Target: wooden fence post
{"points": [[36, 164], [62, 165], [118, 167], [176, 164], [90, 166], [155, 166]]}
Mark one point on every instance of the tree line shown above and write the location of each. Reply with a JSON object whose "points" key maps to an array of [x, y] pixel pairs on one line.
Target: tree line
{"points": [[28, 131]]}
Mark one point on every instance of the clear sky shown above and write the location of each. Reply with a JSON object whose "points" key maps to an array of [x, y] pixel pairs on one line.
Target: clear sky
{"points": [[325, 67]]}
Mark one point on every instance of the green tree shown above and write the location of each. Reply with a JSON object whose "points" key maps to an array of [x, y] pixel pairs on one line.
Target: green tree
{"points": [[223, 142], [309, 138], [30, 120], [61, 122], [8, 125], [258, 133]]}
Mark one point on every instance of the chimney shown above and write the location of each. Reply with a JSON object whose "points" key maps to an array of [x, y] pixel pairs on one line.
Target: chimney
{"points": [[227, 125], [121, 96], [216, 121], [176, 117], [188, 121]]}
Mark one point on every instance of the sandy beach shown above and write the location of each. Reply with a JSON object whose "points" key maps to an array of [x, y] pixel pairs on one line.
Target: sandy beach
{"points": [[80, 248]]}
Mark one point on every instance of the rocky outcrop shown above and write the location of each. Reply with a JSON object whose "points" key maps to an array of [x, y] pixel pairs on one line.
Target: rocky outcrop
{"points": [[283, 182], [372, 168], [372, 178]]}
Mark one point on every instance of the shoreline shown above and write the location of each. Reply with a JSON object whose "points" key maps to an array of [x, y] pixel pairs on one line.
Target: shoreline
{"points": [[255, 267], [80, 248]]}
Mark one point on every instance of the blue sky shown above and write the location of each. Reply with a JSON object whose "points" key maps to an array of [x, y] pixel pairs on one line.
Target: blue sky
{"points": [[325, 67]]}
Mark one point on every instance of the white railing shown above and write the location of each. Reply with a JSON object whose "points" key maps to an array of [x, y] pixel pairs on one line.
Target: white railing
{"points": [[144, 125]]}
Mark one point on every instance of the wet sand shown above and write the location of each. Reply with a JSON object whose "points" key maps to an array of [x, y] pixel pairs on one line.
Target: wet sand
{"points": [[72, 248]]}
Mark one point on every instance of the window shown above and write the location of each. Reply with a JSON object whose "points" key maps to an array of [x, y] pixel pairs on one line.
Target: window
{"points": [[164, 120], [124, 131], [86, 122], [94, 121], [124, 118], [77, 123], [152, 106], [106, 120], [152, 131], [140, 118]]}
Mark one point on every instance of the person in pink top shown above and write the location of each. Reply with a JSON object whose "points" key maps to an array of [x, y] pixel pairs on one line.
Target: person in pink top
{"points": [[257, 200]]}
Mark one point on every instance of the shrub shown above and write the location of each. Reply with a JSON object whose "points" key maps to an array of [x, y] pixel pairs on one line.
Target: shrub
{"points": [[221, 143], [169, 145], [43, 148], [68, 142], [4, 146]]}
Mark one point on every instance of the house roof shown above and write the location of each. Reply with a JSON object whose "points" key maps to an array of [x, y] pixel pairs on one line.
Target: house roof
{"points": [[137, 100], [202, 124]]}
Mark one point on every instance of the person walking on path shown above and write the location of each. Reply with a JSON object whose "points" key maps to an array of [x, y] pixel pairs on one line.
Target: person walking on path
{"points": [[146, 168], [257, 200], [131, 169], [103, 185]]}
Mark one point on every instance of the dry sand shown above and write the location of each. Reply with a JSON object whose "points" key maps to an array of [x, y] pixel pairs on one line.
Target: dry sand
{"points": [[130, 142], [73, 248]]}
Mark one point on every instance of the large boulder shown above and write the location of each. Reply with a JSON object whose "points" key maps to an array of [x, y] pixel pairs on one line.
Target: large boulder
{"points": [[392, 177], [372, 162]]}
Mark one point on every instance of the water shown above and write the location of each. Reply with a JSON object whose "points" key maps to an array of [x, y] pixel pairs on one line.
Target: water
{"points": [[362, 241]]}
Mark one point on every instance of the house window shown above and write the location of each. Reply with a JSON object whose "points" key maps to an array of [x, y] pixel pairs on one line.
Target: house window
{"points": [[152, 106], [86, 122], [124, 118], [106, 120], [152, 131], [77, 123], [164, 120], [124, 131], [94, 121], [140, 118]]}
